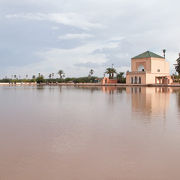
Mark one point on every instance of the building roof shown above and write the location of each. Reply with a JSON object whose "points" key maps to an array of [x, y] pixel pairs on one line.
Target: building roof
{"points": [[147, 54]]}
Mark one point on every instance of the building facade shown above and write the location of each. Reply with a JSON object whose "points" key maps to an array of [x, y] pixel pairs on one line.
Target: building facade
{"points": [[106, 80], [149, 68]]}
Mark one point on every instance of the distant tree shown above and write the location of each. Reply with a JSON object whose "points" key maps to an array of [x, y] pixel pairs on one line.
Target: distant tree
{"points": [[15, 76], [120, 77], [26, 76], [91, 72], [164, 52], [61, 74], [111, 72], [40, 79], [33, 77], [50, 75], [177, 66]]}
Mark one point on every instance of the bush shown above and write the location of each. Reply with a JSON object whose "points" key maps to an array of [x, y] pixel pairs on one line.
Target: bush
{"points": [[40, 79]]}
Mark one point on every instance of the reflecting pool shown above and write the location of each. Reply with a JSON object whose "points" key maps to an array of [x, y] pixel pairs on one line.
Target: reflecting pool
{"points": [[89, 133]]}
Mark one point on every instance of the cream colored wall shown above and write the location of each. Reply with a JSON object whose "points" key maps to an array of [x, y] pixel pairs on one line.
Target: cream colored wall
{"points": [[151, 66], [150, 78], [147, 78], [143, 78], [146, 62], [159, 64], [128, 79]]}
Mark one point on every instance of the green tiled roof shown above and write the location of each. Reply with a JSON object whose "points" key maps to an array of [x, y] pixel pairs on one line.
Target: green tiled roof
{"points": [[147, 54]]}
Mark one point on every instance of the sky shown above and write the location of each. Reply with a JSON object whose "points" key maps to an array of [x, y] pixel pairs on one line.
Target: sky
{"points": [[45, 36]]}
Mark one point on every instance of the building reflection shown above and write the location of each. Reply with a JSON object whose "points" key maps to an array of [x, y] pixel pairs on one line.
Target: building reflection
{"points": [[112, 89], [149, 101], [109, 90]]}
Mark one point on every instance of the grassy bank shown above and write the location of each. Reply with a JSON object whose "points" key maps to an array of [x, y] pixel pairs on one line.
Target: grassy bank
{"points": [[57, 80]]}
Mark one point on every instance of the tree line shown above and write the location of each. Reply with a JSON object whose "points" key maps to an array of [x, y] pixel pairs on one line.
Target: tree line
{"points": [[111, 72]]}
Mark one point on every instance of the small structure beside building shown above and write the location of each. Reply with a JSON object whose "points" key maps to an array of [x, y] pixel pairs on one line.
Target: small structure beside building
{"points": [[106, 80], [149, 68]]}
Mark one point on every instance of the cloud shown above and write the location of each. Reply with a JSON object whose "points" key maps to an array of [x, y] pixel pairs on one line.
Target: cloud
{"points": [[74, 61], [69, 19], [68, 57], [76, 36], [42, 36], [55, 28], [89, 65]]}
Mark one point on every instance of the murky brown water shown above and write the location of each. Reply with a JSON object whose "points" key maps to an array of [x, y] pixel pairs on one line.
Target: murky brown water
{"points": [[67, 133]]}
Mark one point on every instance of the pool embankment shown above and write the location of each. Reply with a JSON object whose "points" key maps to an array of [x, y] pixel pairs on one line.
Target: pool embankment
{"points": [[90, 84]]}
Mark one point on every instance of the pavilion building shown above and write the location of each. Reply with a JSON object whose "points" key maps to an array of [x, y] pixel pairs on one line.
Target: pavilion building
{"points": [[149, 68]]}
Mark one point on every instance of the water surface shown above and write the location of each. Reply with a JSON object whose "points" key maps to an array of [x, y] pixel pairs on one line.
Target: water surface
{"points": [[69, 133]]}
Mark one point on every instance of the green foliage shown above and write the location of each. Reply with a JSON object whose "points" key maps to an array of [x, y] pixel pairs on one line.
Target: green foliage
{"points": [[111, 72], [176, 78], [40, 79], [61, 74], [85, 80], [91, 72], [5, 80], [17, 80], [72, 80], [177, 66], [121, 78], [33, 77]]}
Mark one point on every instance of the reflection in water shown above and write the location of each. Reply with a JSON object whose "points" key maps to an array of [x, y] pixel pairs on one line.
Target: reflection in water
{"points": [[178, 99], [89, 133], [177, 92], [92, 89], [112, 89], [149, 101], [40, 87]]}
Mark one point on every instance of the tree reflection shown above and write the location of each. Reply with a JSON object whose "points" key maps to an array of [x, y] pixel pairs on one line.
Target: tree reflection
{"points": [[177, 92], [113, 89], [178, 99]]}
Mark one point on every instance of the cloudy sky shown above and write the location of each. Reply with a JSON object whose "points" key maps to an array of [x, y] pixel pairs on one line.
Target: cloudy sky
{"points": [[43, 36]]}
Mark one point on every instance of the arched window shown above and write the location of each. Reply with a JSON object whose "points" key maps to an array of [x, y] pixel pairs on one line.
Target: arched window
{"points": [[141, 68], [135, 80], [131, 80]]}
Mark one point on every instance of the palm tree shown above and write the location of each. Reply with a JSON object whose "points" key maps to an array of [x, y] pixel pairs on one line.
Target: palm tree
{"points": [[164, 52], [177, 66], [50, 75], [33, 77], [61, 74], [91, 72], [111, 72], [120, 77]]}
